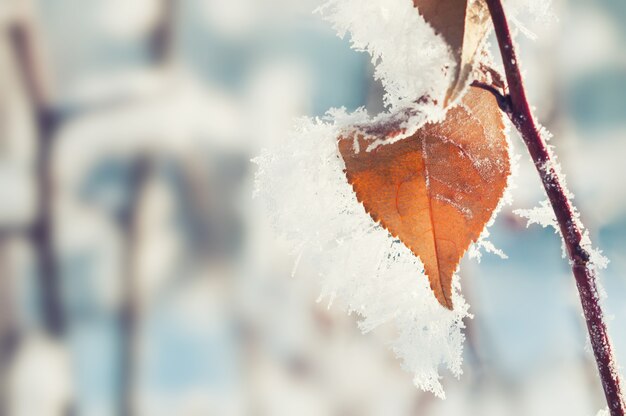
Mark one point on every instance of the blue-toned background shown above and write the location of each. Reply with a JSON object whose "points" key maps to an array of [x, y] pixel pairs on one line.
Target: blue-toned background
{"points": [[221, 327]]}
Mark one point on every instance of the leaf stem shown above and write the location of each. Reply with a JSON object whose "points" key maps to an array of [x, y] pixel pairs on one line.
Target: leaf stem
{"points": [[504, 101], [571, 229]]}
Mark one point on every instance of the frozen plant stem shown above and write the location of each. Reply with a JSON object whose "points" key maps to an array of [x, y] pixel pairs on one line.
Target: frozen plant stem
{"points": [[519, 112]]}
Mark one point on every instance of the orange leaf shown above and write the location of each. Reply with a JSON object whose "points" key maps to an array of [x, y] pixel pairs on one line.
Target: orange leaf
{"points": [[437, 189], [463, 24]]}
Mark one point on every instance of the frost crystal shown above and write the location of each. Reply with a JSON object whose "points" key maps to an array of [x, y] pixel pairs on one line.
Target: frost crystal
{"points": [[361, 267], [544, 214], [408, 55], [483, 243]]}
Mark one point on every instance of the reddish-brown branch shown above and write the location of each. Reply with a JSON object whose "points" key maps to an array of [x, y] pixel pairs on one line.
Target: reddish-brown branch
{"points": [[582, 268]]}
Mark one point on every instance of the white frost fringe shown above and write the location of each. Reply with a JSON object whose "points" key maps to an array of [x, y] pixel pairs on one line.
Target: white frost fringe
{"points": [[408, 55]]}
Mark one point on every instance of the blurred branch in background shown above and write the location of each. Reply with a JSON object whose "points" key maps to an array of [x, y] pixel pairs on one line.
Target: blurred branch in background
{"points": [[9, 328], [130, 310], [26, 51], [27, 47], [25, 37], [162, 38], [160, 46]]}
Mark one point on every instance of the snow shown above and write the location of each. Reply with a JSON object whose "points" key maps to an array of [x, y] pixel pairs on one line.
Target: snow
{"points": [[409, 57], [542, 215], [39, 379], [176, 110]]}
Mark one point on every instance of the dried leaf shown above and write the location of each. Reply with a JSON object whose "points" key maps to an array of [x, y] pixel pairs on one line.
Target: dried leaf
{"points": [[437, 189], [463, 24]]}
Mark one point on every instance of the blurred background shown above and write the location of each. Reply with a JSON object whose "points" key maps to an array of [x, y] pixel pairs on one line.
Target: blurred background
{"points": [[139, 277]]}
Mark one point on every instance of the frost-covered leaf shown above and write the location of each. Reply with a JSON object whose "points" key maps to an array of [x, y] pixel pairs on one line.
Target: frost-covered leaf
{"points": [[437, 189], [301, 182], [463, 24]]}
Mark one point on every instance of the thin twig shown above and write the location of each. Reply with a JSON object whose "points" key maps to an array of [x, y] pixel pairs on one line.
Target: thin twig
{"points": [[571, 230]]}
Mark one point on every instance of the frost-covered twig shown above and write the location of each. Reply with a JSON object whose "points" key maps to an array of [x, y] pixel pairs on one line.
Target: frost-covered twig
{"points": [[569, 224]]}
